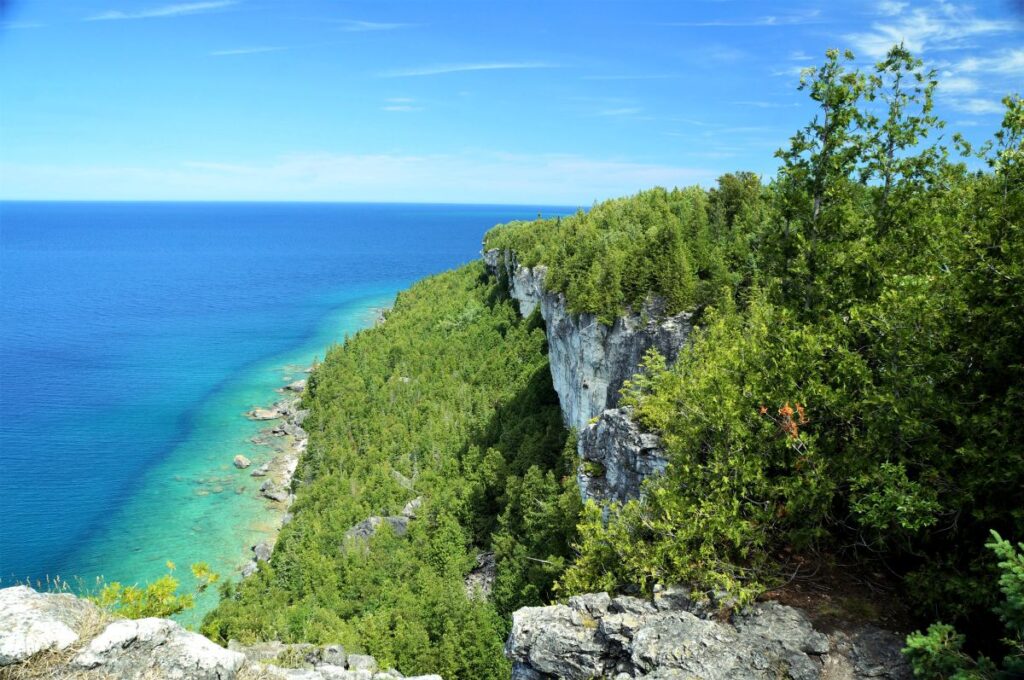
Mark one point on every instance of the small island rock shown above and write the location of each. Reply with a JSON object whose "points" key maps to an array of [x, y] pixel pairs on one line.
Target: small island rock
{"points": [[241, 462]]}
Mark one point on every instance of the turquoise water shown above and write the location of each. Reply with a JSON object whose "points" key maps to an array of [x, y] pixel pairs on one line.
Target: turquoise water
{"points": [[134, 337]]}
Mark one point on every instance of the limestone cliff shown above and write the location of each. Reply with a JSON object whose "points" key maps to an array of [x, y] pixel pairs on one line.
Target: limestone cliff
{"points": [[590, 361]]}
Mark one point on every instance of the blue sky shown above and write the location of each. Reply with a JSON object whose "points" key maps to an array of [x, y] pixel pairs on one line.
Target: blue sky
{"points": [[440, 101]]}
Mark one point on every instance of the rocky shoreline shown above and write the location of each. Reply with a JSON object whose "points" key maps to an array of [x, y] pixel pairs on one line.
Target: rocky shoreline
{"points": [[289, 441]]}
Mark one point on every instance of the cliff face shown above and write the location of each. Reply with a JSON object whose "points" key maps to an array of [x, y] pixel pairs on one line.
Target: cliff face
{"points": [[589, 364]]}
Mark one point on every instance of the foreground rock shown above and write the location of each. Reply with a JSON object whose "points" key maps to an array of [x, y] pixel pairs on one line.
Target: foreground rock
{"points": [[596, 636], [156, 648], [241, 462], [32, 622], [263, 414], [61, 636]]}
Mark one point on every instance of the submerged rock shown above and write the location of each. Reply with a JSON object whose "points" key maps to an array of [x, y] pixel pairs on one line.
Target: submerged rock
{"points": [[263, 414], [241, 462]]}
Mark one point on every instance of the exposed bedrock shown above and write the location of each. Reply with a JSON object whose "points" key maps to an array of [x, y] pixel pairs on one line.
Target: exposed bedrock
{"points": [[590, 361], [596, 636]]}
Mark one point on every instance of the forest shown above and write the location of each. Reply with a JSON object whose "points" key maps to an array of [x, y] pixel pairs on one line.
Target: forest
{"points": [[850, 400]]}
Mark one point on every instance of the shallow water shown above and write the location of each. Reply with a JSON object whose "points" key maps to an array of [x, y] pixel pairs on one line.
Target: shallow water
{"points": [[133, 337]]}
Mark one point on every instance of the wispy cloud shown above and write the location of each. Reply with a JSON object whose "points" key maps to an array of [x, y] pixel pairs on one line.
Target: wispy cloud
{"points": [[941, 26], [19, 25], [400, 105], [760, 104], [480, 176], [245, 50], [639, 76], [163, 12], [355, 26], [809, 17], [624, 111], [977, 106], [463, 68], [950, 84], [1007, 62]]}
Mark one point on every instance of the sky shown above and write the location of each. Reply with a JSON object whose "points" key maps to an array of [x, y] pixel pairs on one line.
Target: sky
{"points": [[470, 101]]}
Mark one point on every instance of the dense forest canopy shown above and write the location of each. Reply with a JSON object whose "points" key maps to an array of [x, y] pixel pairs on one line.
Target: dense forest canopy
{"points": [[852, 396]]}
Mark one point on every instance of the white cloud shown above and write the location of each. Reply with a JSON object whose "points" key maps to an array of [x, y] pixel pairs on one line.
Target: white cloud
{"points": [[809, 17], [976, 106], [623, 111], [400, 108], [466, 177], [462, 68], [941, 26], [354, 26], [245, 50], [1007, 62], [950, 84], [891, 7], [164, 12]]}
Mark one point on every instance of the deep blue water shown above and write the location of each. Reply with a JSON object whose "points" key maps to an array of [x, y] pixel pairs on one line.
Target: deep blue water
{"points": [[133, 336]]}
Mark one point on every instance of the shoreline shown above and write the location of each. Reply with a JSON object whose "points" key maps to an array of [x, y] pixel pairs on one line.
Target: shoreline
{"points": [[288, 441]]}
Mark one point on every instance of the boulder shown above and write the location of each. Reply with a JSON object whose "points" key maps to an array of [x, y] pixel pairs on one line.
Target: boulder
{"points": [[241, 462], [362, 662], [261, 471], [145, 648], [263, 414], [412, 507], [369, 526], [263, 550], [32, 622], [297, 386]]}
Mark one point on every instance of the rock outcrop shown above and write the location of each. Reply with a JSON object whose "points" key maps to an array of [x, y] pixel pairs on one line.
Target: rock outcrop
{"points": [[61, 636], [596, 636], [590, 361], [616, 457]]}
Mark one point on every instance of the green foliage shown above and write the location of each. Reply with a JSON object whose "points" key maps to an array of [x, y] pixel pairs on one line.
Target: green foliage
{"points": [[158, 598], [451, 401], [676, 245], [939, 653], [858, 392]]}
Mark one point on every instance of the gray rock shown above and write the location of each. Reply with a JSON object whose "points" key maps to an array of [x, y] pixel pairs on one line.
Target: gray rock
{"points": [[593, 636], [412, 507], [261, 471], [362, 662], [479, 581], [249, 568], [297, 386], [143, 648], [263, 550], [241, 462], [369, 526], [590, 361], [617, 456], [300, 416], [32, 622], [263, 414], [333, 655]]}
